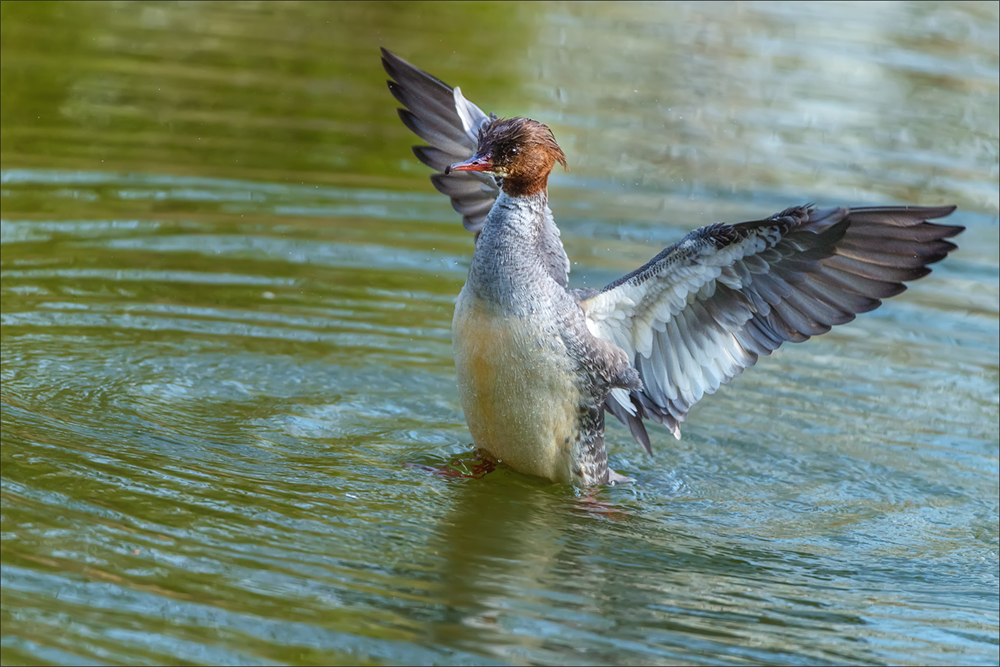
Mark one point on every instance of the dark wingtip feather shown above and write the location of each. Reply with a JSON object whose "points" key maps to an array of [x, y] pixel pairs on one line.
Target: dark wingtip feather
{"points": [[410, 121], [430, 156], [633, 422], [400, 69], [902, 216], [390, 62], [396, 91], [942, 252]]}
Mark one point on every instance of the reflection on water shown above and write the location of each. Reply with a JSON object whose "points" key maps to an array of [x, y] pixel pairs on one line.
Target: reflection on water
{"points": [[226, 298]]}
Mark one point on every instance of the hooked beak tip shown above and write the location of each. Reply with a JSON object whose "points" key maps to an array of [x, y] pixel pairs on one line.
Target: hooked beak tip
{"points": [[475, 163]]}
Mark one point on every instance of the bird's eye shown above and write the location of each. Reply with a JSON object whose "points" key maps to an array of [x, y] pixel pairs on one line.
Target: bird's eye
{"points": [[514, 151]]}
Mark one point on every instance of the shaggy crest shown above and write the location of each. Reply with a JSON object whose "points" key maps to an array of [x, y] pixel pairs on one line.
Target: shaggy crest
{"points": [[522, 151]]}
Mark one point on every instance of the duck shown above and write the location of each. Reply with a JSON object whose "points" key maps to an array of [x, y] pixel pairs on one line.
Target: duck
{"points": [[540, 364]]}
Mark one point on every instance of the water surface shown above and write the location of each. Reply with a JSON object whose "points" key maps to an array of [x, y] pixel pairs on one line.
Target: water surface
{"points": [[227, 290]]}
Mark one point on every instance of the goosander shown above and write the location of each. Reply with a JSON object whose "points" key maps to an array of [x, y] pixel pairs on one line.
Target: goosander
{"points": [[538, 363]]}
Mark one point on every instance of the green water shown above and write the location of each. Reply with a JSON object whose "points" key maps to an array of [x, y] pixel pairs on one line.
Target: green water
{"points": [[227, 289]]}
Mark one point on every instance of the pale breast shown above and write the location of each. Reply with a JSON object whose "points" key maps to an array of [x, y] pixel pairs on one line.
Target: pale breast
{"points": [[518, 388]]}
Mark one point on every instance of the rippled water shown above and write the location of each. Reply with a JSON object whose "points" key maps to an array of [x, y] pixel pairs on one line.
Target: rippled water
{"points": [[227, 290]]}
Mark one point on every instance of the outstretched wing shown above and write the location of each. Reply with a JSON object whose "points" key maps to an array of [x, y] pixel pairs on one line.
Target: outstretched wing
{"points": [[442, 117], [704, 309]]}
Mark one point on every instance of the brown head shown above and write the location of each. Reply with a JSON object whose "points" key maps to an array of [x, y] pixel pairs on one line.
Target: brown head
{"points": [[519, 150]]}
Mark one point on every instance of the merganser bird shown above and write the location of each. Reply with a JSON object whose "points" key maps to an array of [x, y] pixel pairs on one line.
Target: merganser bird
{"points": [[538, 363]]}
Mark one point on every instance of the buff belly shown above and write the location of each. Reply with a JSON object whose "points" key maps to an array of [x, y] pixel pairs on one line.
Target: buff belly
{"points": [[518, 389]]}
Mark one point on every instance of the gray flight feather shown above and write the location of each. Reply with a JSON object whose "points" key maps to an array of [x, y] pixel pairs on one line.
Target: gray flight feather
{"points": [[441, 116], [706, 307]]}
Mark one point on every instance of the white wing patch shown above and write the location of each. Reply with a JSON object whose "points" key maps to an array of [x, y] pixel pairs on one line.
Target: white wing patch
{"points": [[680, 347], [472, 117]]}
